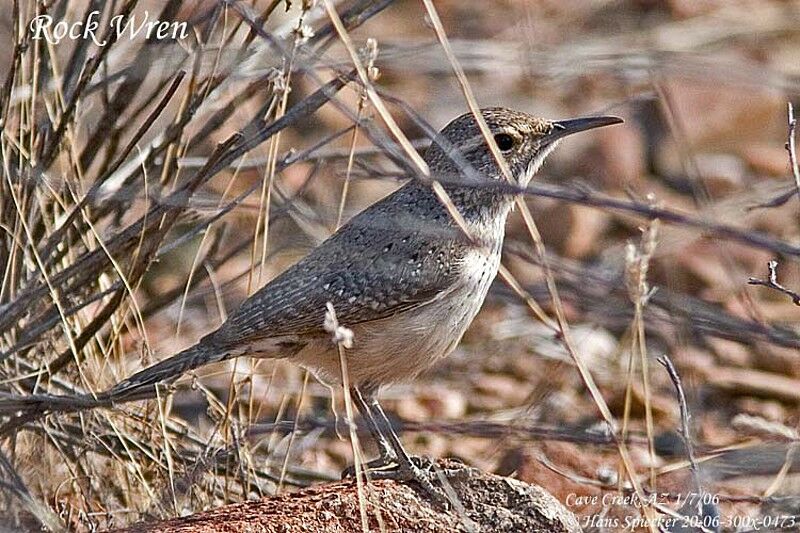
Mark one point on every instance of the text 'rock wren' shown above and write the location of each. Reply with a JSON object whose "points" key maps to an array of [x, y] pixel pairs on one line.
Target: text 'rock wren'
{"points": [[402, 275]]}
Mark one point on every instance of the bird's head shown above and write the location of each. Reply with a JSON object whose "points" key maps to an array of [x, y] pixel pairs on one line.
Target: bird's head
{"points": [[460, 150]]}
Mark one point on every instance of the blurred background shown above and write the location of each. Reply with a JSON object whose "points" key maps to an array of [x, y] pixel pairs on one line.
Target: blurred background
{"points": [[123, 239]]}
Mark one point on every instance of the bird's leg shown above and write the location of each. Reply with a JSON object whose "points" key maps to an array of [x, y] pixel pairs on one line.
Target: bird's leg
{"points": [[385, 427], [408, 468], [387, 454]]}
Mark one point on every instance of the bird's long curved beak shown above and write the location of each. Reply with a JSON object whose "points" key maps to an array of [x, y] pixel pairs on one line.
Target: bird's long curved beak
{"points": [[562, 128]]}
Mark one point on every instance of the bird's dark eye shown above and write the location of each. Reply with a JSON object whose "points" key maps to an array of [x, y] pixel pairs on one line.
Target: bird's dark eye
{"points": [[504, 141]]}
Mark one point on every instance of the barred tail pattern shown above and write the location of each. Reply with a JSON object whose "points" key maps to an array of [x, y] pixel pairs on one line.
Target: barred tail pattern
{"points": [[144, 383]]}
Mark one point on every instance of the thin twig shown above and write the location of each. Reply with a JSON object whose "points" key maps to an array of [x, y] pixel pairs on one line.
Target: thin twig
{"points": [[791, 146], [772, 282], [685, 431], [342, 337]]}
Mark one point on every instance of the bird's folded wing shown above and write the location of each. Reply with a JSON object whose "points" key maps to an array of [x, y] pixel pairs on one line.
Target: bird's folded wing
{"points": [[389, 273]]}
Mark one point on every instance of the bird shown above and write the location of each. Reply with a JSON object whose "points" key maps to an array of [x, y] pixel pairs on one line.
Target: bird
{"points": [[403, 276]]}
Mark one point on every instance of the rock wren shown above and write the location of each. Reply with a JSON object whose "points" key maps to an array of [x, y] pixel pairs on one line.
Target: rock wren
{"points": [[402, 275]]}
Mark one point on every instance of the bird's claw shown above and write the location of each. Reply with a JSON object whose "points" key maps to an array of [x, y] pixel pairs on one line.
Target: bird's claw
{"points": [[419, 469], [375, 465]]}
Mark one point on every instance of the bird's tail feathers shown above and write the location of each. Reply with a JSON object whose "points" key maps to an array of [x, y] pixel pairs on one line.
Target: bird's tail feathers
{"points": [[144, 384]]}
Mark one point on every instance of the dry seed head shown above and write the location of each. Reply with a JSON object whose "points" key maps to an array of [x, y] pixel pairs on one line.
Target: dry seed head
{"points": [[342, 336], [303, 32], [637, 264], [369, 53]]}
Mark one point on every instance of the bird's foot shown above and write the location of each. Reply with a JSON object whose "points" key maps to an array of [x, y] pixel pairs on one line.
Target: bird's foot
{"points": [[379, 463], [419, 470], [388, 464], [422, 470]]}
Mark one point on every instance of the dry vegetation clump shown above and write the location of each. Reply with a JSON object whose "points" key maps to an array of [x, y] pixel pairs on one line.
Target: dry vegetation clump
{"points": [[149, 185]]}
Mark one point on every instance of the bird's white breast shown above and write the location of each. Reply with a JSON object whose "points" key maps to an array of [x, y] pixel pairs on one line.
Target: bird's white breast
{"points": [[399, 347]]}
